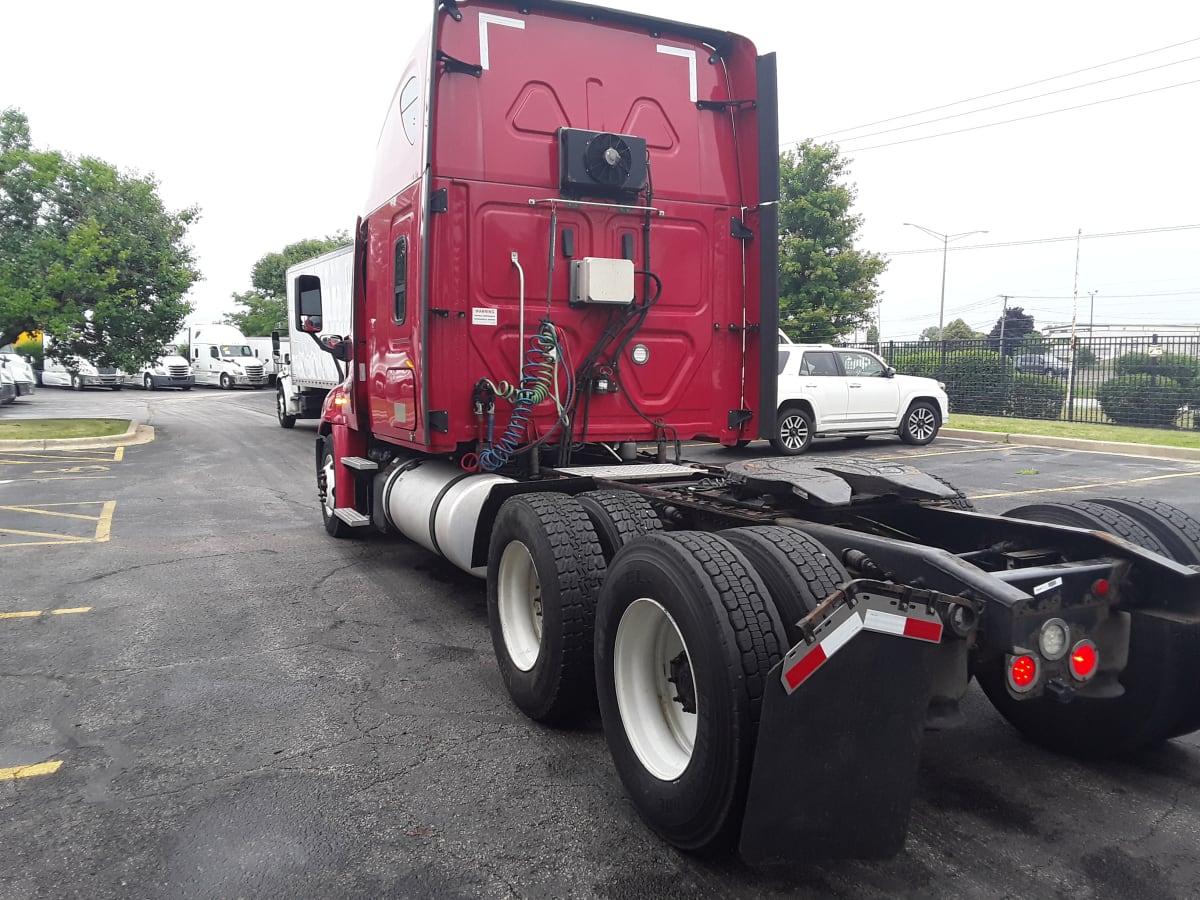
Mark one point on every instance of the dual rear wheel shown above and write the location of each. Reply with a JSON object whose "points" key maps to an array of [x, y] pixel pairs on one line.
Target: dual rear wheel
{"points": [[674, 633]]}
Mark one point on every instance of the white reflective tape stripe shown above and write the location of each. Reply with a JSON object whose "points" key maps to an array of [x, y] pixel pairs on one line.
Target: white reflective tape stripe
{"points": [[1047, 586], [840, 635], [888, 623], [690, 56], [486, 19]]}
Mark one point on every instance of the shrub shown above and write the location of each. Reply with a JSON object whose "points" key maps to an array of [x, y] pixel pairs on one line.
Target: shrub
{"points": [[1084, 357], [974, 378], [1168, 365], [1142, 400], [1034, 397]]}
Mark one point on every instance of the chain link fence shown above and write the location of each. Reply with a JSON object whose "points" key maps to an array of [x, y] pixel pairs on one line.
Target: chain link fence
{"points": [[1148, 382]]}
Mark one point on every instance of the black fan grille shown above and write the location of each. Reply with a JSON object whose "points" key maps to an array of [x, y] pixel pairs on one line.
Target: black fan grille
{"points": [[608, 160]]}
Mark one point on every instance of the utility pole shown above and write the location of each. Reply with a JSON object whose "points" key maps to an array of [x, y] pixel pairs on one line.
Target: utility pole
{"points": [[1003, 320], [1092, 315], [945, 239], [1074, 316]]}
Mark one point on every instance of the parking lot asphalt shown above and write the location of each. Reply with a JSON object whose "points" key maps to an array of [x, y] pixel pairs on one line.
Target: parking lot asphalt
{"points": [[206, 696]]}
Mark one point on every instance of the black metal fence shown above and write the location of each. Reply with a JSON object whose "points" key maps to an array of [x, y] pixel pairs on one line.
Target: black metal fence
{"points": [[1150, 382]]}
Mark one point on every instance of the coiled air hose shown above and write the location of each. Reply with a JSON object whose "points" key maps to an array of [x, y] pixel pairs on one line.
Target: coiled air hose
{"points": [[537, 377]]}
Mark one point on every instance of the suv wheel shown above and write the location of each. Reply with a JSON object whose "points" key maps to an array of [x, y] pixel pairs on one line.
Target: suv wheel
{"points": [[793, 431]]}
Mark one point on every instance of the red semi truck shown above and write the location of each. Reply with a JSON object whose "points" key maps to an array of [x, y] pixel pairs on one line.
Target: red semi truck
{"points": [[568, 254]]}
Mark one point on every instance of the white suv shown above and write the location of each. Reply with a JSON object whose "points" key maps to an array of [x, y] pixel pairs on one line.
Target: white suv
{"points": [[826, 391]]}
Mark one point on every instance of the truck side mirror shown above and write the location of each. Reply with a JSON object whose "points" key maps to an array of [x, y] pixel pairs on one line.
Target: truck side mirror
{"points": [[890, 372], [275, 341], [308, 297]]}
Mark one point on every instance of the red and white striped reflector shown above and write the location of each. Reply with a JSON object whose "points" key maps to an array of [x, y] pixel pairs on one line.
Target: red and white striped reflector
{"points": [[921, 629], [803, 660]]}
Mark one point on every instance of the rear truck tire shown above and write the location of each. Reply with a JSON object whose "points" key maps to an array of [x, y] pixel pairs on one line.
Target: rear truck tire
{"points": [[686, 635], [920, 424], [285, 420], [117, 387], [618, 517], [148, 383], [226, 381], [739, 445], [544, 572], [187, 387], [1178, 532], [793, 431], [797, 571], [1159, 677], [958, 501], [327, 492]]}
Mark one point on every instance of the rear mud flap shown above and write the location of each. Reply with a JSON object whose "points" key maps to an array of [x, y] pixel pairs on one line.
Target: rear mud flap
{"points": [[835, 768]]}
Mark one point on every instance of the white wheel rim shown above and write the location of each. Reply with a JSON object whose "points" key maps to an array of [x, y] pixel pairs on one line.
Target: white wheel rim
{"points": [[327, 471], [519, 598], [659, 731], [920, 423], [793, 431]]}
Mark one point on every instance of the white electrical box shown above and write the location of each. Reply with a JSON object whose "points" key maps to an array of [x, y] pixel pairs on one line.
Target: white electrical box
{"points": [[598, 280]]}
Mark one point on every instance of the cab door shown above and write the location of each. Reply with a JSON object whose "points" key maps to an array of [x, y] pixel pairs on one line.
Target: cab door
{"points": [[393, 326]]}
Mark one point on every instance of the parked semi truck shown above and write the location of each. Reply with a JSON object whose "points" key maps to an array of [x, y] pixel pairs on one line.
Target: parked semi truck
{"points": [[568, 254], [221, 357], [308, 373]]}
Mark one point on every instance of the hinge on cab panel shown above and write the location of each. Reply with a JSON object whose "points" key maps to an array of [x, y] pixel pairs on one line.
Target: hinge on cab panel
{"points": [[457, 65], [738, 229], [726, 104], [439, 200]]}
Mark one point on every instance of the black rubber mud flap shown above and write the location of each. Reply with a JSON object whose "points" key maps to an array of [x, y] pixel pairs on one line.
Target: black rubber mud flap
{"points": [[835, 767]]}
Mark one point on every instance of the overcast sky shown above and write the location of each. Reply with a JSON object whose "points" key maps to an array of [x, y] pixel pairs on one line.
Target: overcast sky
{"points": [[266, 116]]}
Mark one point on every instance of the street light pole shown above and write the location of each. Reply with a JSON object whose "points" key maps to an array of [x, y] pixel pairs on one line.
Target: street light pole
{"points": [[945, 239]]}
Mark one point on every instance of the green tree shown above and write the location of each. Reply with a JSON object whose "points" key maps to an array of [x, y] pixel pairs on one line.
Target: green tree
{"points": [[827, 288], [1016, 324], [873, 334], [88, 254], [929, 334], [266, 302], [261, 315], [958, 330]]}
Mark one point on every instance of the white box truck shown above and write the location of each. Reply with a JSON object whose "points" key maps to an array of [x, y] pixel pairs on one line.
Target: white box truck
{"points": [[312, 373], [221, 356]]}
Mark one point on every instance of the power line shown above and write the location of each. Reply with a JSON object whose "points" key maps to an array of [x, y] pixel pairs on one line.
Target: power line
{"points": [[1053, 240], [1024, 118], [971, 112], [1004, 91]]}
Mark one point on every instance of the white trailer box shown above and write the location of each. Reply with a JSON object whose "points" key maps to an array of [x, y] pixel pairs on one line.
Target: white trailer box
{"points": [[303, 384]]}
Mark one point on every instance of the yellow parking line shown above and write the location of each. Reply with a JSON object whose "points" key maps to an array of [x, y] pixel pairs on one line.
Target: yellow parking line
{"points": [[46, 768], [34, 613], [65, 538], [1084, 487], [42, 511], [949, 452], [105, 525]]}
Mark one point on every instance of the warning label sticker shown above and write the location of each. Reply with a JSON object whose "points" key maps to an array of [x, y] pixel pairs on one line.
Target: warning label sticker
{"points": [[483, 315]]}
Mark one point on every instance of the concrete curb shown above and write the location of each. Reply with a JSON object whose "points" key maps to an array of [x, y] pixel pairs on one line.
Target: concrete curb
{"points": [[1153, 451], [134, 434]]}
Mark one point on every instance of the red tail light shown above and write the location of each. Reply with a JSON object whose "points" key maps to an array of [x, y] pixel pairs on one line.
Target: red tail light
{"points": [[1084, 660], [1022, 673], [1100, 587]]}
